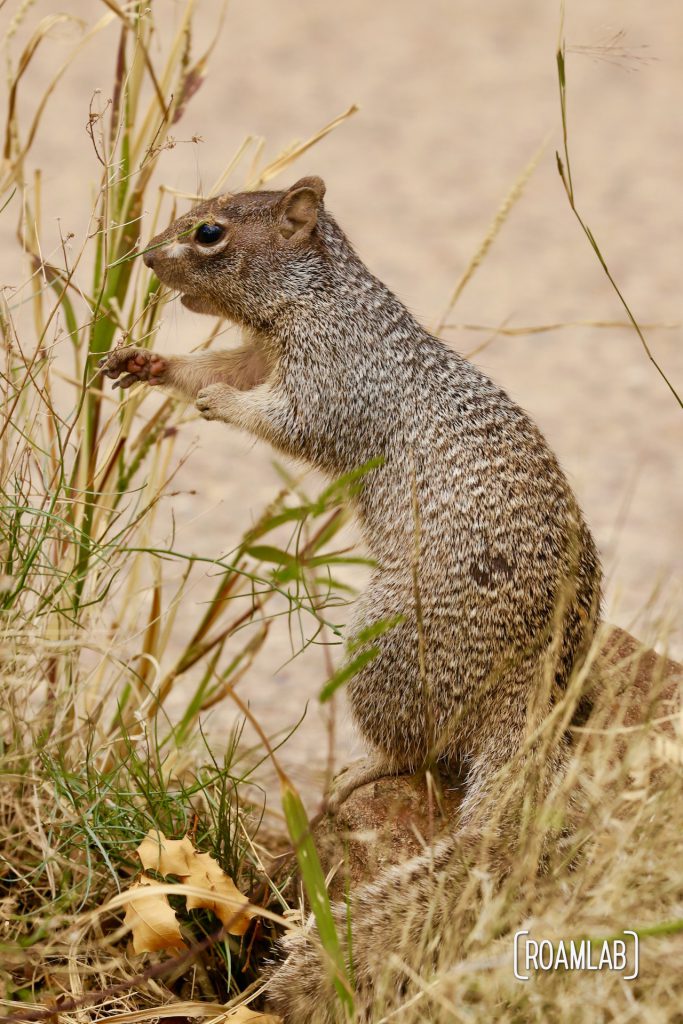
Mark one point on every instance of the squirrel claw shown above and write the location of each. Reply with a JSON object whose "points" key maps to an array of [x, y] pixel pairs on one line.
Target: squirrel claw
{"points": [[207, 402], [126, 382]]}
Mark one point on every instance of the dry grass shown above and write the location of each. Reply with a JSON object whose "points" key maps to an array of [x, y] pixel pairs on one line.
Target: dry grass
{"points": [[600, 855], [90, 754]]}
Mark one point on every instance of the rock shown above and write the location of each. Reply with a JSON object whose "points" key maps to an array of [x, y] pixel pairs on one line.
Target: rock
{"points": [[628, 666]]}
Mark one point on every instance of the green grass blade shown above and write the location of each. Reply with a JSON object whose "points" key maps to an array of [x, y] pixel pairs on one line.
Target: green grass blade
{"points": [[316, 890]]}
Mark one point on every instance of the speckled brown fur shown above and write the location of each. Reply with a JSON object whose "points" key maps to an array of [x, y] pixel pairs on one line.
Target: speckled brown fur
{"points": [[508, 579]]}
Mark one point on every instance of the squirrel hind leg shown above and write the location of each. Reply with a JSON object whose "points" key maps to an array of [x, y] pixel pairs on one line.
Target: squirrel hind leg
{"points": [[486, 788]]}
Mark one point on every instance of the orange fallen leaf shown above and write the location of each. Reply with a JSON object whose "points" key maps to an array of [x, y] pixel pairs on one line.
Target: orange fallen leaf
{"points": [[152, 920], [166, 856], [179, 857], [231, 907]]}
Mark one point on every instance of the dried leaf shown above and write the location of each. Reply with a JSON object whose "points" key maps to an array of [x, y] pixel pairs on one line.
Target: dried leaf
{"points": [[191, 83], [166, 856], [179, 857], [207, 874], [152, 920]]}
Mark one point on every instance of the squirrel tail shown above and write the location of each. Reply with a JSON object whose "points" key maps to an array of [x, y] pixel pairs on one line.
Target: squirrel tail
{"points": [[397, 925], [409, 924]]}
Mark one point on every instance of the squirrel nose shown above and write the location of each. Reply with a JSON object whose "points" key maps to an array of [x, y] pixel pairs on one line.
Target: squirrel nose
{"points": [[149, 258]]}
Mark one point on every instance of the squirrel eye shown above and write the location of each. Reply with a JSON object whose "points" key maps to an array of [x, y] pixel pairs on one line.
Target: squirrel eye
{"points": [[208, 234]]}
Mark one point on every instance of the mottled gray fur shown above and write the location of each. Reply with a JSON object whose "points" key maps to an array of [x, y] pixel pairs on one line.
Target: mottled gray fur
{"points": [[469, 517]]}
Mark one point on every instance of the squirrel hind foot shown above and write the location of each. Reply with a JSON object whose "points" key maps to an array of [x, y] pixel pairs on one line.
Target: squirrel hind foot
{"points": [[357, 774]]}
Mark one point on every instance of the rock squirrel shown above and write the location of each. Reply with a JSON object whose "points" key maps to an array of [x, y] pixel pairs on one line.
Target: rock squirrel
{"points": [[479, 545]]}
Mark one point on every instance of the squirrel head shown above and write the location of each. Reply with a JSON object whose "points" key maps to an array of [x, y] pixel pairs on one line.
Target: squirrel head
{"points": [[244, 256]]}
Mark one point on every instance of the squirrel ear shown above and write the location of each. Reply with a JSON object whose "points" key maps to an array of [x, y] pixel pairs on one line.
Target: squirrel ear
{"points": [[298, 213]]}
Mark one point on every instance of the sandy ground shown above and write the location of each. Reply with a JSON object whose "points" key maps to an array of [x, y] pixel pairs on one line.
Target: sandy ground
{"points": [[454, 99]]}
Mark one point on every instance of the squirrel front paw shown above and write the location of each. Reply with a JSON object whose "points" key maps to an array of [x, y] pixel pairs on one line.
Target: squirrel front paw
{"points": [[213, 402], [138, 364]]}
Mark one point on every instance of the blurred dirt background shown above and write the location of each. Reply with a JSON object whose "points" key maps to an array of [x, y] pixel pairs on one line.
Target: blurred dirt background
{"points": [[454, 99]]}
